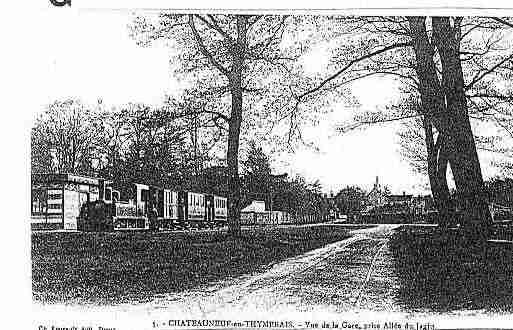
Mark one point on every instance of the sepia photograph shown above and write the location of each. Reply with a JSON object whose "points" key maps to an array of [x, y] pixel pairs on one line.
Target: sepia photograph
{"points": [[224, 169]]}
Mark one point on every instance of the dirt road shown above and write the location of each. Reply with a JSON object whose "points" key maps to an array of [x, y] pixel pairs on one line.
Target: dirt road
{"points": [[351, 274], [348, 280]]}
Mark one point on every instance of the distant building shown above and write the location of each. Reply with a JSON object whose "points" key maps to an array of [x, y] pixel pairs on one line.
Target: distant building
{"points": [[379, 200], [332, 209], [423, 204], [400, 199], [376, 197], [256, 214], [398, 204]]}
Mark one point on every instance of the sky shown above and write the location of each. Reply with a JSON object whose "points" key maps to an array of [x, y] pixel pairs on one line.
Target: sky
{"points": [[357, 157], [89, 54]]}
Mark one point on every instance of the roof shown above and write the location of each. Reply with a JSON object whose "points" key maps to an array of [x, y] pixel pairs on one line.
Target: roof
{"points": [[65, 178], [376, 190], [400, 197], [255, 206]]}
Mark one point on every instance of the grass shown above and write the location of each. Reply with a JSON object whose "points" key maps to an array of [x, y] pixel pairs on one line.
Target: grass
{"points": [[439, 272], [110, 268]]}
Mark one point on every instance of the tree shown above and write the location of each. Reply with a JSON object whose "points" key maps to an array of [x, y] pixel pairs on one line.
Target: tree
{"points": [[299, 197], [437, 64], [445, 105], [230, 58], [215, 179], [295, 196], [65, 139], [417, 146], [350, 200], [257, 179], [152, 148]]}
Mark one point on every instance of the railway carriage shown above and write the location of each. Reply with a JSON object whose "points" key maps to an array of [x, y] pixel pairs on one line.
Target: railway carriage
{"points": [[215, 211], [220, 210], [191, 209], [168, 210], [209, 211]]}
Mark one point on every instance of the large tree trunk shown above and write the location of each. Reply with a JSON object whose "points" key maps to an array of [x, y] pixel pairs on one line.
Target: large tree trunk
{"points": [[232, 156], [460, 139], [437, 173], [430, 89], [446, 207], [435, 114]]}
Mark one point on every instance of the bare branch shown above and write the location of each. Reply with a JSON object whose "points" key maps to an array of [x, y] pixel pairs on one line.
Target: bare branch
{"points": [[215, 26], [204, 50], [351, 63], [361, 123], [272, 38], [218, 114], [490, 70], [500, 20], [492, 96]]}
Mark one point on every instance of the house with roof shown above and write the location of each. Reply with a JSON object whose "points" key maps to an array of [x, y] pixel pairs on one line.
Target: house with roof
{"points": [[376, 197]]}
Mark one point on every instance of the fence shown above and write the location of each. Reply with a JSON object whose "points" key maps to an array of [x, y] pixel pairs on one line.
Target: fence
{"points": [[277, 218], [264, 218], [498, 215], [396, 218]]}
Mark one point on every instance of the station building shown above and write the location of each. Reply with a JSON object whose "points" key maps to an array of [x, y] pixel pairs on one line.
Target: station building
{"points": [[56, 199]]}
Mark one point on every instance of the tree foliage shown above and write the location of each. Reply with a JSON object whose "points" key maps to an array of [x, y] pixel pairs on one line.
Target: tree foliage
{"points": [[136, 143], [64, 139], [350, 200]]}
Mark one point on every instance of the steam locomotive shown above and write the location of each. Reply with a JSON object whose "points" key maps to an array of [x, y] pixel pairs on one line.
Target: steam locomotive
{"points": [[148, 207]]}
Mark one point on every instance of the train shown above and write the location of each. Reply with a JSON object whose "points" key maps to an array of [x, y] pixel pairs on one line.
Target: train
{"points": [[149, 207]]}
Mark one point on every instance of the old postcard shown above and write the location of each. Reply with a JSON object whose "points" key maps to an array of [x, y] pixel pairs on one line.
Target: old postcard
{"points": [[271, 168]]}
